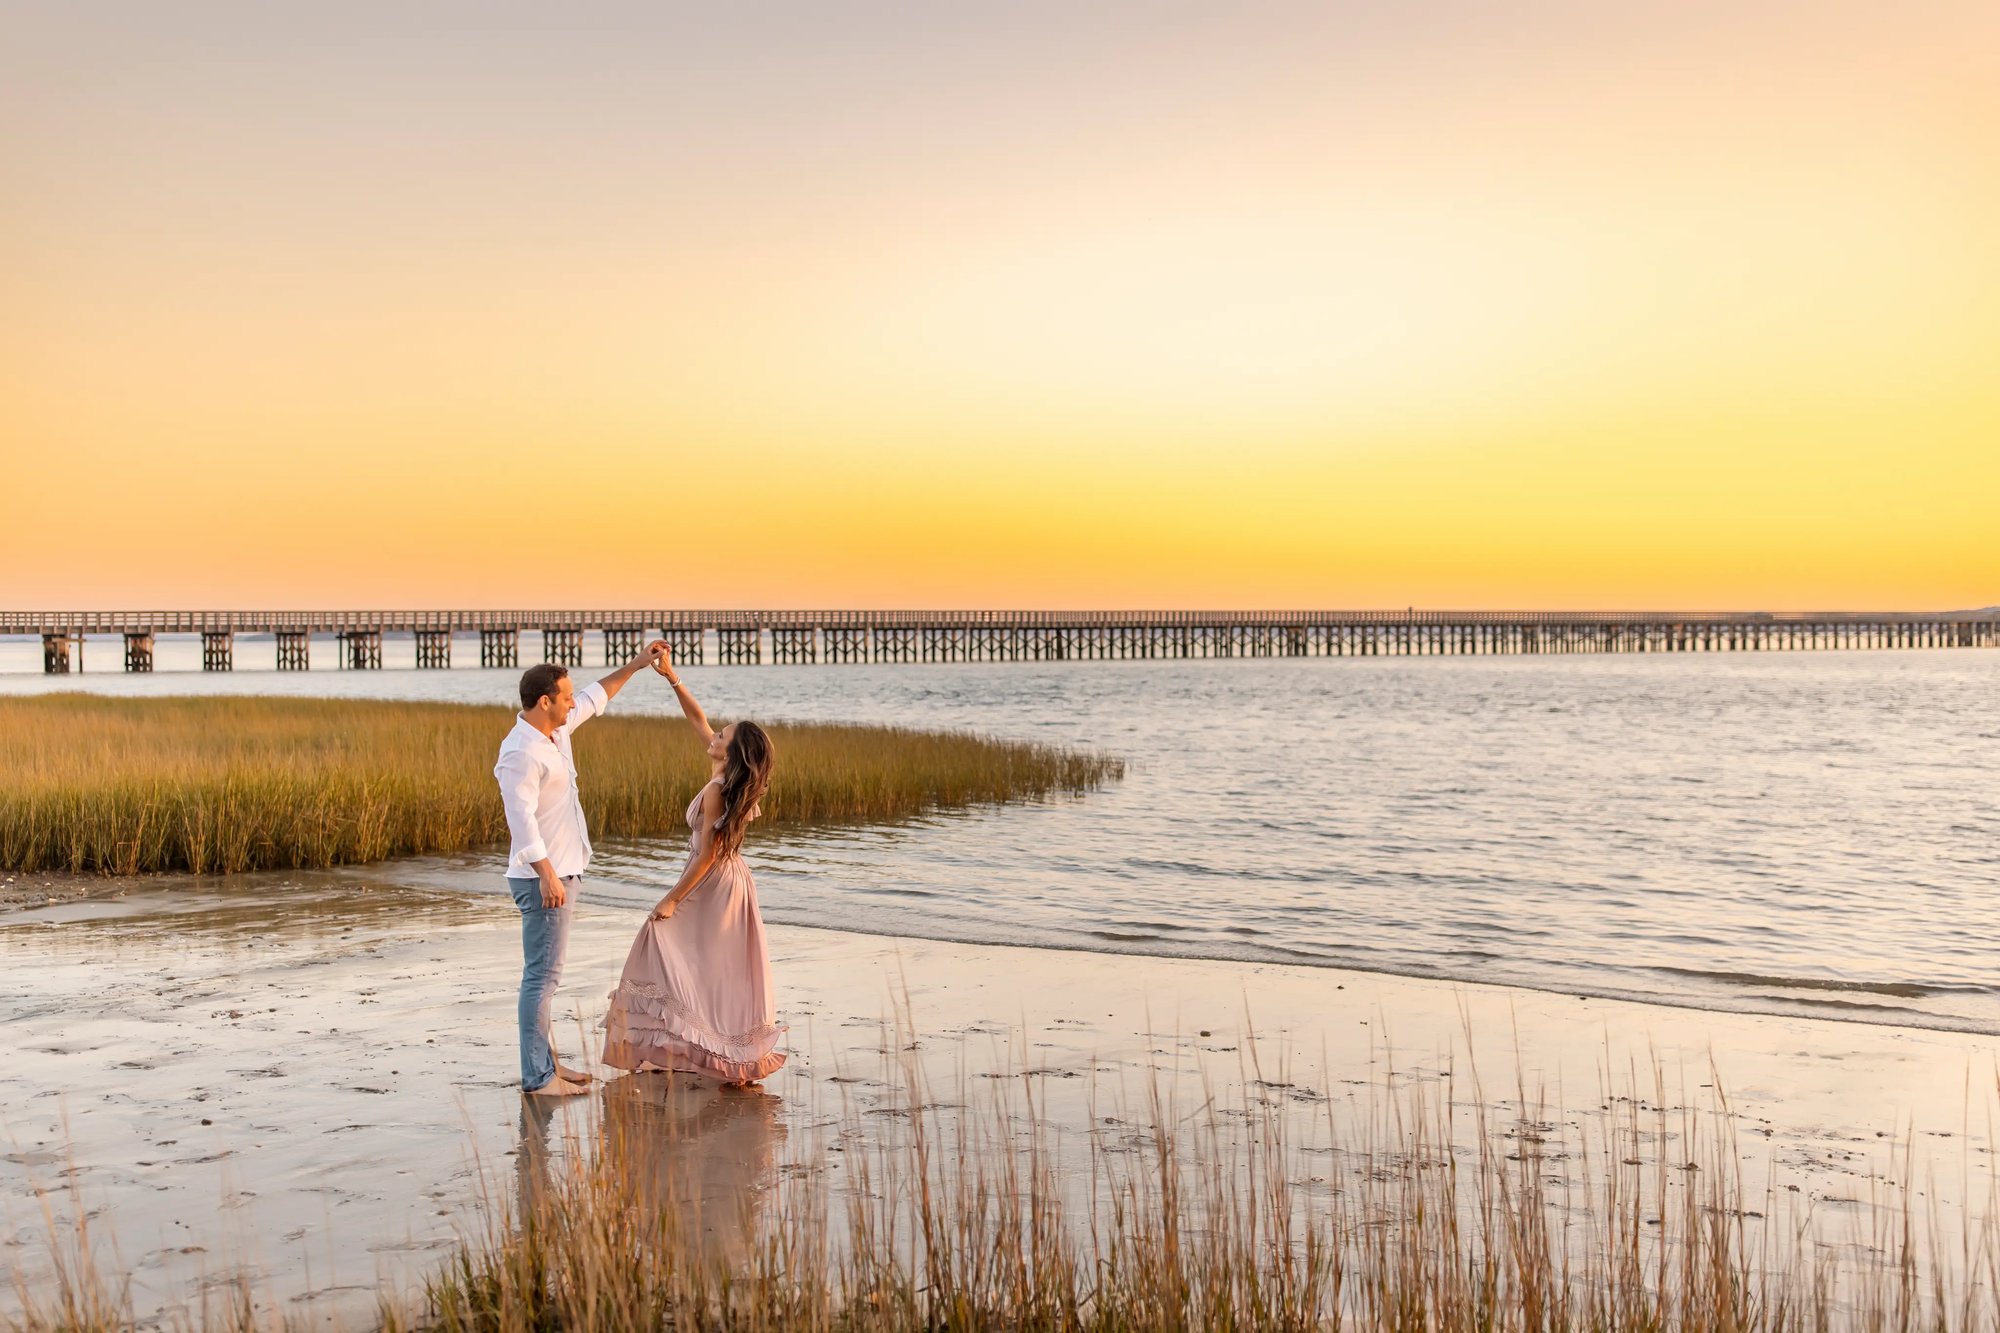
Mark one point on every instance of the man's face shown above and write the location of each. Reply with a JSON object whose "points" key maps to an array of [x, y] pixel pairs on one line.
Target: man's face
{"points": [[557, 706]]}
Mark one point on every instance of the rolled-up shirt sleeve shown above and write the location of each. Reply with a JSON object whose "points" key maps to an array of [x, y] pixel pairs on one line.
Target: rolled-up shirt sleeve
{"points": [[520, 793], [591, 700]]}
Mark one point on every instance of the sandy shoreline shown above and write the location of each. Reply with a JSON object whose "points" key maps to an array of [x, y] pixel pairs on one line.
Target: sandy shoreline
{"points": [[45, 888], [292, 1075]]}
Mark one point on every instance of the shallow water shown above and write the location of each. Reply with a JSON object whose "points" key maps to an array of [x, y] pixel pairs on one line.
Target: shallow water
{"points": [[305, 1083], [1797, 833]]}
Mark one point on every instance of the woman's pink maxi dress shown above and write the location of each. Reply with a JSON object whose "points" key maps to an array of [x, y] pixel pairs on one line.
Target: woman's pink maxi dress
{"points": [[696, 992]]}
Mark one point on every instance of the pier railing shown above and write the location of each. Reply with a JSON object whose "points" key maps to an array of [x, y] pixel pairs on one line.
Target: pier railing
{"points": [[996, 636]]}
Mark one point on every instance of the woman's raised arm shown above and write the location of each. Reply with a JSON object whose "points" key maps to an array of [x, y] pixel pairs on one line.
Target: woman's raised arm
{"points": [[689, 708]]}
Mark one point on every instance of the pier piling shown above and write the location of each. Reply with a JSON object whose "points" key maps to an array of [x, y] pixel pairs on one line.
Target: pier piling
{"points": [[564, 647], [361, 649], [55, 654], [499, 647], [685, 645], [794, 645], [621, 645], [433, 649], [739, 647], [846, 643], [294, 650]]}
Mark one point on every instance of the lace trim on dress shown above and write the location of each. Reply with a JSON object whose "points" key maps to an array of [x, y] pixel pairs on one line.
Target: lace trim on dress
{"points": [[673, 1053], [635, 1038]]}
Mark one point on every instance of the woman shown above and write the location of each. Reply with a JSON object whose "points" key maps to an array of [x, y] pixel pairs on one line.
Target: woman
{"points": [[696, 992]]}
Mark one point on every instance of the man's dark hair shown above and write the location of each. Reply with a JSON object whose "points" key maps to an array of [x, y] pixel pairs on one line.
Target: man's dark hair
{"points": [[539, 680]]}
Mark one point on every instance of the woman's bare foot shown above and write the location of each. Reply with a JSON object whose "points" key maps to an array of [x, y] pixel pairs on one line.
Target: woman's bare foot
{"points": [[742, 1084], [557, 1087]]}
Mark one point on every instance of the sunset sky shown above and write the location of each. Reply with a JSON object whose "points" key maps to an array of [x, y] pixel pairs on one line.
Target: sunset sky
{"points": [[1152, 305]]}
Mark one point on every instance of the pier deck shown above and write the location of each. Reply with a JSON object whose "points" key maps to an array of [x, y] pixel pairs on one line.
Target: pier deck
{"points": [[835, 637]]}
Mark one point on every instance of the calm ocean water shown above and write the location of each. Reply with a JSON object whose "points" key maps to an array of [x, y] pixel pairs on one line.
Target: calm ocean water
{"points": [[1805, 833]]}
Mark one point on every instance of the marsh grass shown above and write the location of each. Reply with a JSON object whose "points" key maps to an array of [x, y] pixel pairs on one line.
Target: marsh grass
{"points": [[1418, 1204], [131, 786], [1432, 1207]]}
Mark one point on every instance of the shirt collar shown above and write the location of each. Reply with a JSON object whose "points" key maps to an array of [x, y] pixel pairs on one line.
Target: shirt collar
{"points": [[528, 733]]}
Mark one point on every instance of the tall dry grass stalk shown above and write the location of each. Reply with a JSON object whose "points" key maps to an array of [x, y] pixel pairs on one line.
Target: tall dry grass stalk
{"points": [[1426, 1207], [81, 1293], [128, 786]]}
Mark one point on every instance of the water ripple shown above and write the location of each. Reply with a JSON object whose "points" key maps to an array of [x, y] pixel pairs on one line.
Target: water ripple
{"points": [[1789, 832]]}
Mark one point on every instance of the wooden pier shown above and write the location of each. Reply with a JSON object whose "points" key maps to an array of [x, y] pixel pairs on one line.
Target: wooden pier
{"points": [[839, 637]]}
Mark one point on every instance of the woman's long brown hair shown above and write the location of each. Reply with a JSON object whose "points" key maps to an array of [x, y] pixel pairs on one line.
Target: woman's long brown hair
{"points": [[746, 775]]}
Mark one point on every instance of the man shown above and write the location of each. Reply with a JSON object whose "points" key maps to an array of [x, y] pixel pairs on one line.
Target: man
{"points": [[551, 847]]}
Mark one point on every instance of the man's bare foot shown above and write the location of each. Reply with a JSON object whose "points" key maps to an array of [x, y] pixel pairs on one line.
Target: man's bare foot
{"points": [[557, 1087], [564, 1071]]}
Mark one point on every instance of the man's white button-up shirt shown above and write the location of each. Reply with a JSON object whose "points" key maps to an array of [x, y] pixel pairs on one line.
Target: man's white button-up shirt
{"points": [[537, 777]]}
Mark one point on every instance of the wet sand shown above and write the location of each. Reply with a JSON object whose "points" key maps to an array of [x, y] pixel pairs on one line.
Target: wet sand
{"points": [[44, 888], [296, 1079]]}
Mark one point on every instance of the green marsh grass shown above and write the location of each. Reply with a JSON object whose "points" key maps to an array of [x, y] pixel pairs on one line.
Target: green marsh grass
{"points": [[92, 785]]}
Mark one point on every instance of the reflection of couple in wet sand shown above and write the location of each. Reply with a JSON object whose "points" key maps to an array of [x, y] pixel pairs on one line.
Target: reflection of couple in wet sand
{"points": [[696, 992], [685, 1149], [691, 1154]]}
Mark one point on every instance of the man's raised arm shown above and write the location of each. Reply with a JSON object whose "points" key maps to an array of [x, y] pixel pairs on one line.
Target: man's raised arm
{"points": [[594, 699]]}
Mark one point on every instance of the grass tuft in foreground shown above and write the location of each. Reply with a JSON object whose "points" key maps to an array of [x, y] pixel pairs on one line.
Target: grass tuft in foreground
{"points": [[1421, 1206], [211, 785]]}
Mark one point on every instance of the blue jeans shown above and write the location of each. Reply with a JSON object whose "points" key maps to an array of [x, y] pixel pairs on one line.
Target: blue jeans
{"points": [[544, 940]]}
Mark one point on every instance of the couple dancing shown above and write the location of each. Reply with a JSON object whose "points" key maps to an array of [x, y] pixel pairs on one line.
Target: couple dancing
{"points": [[695, 995]]}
